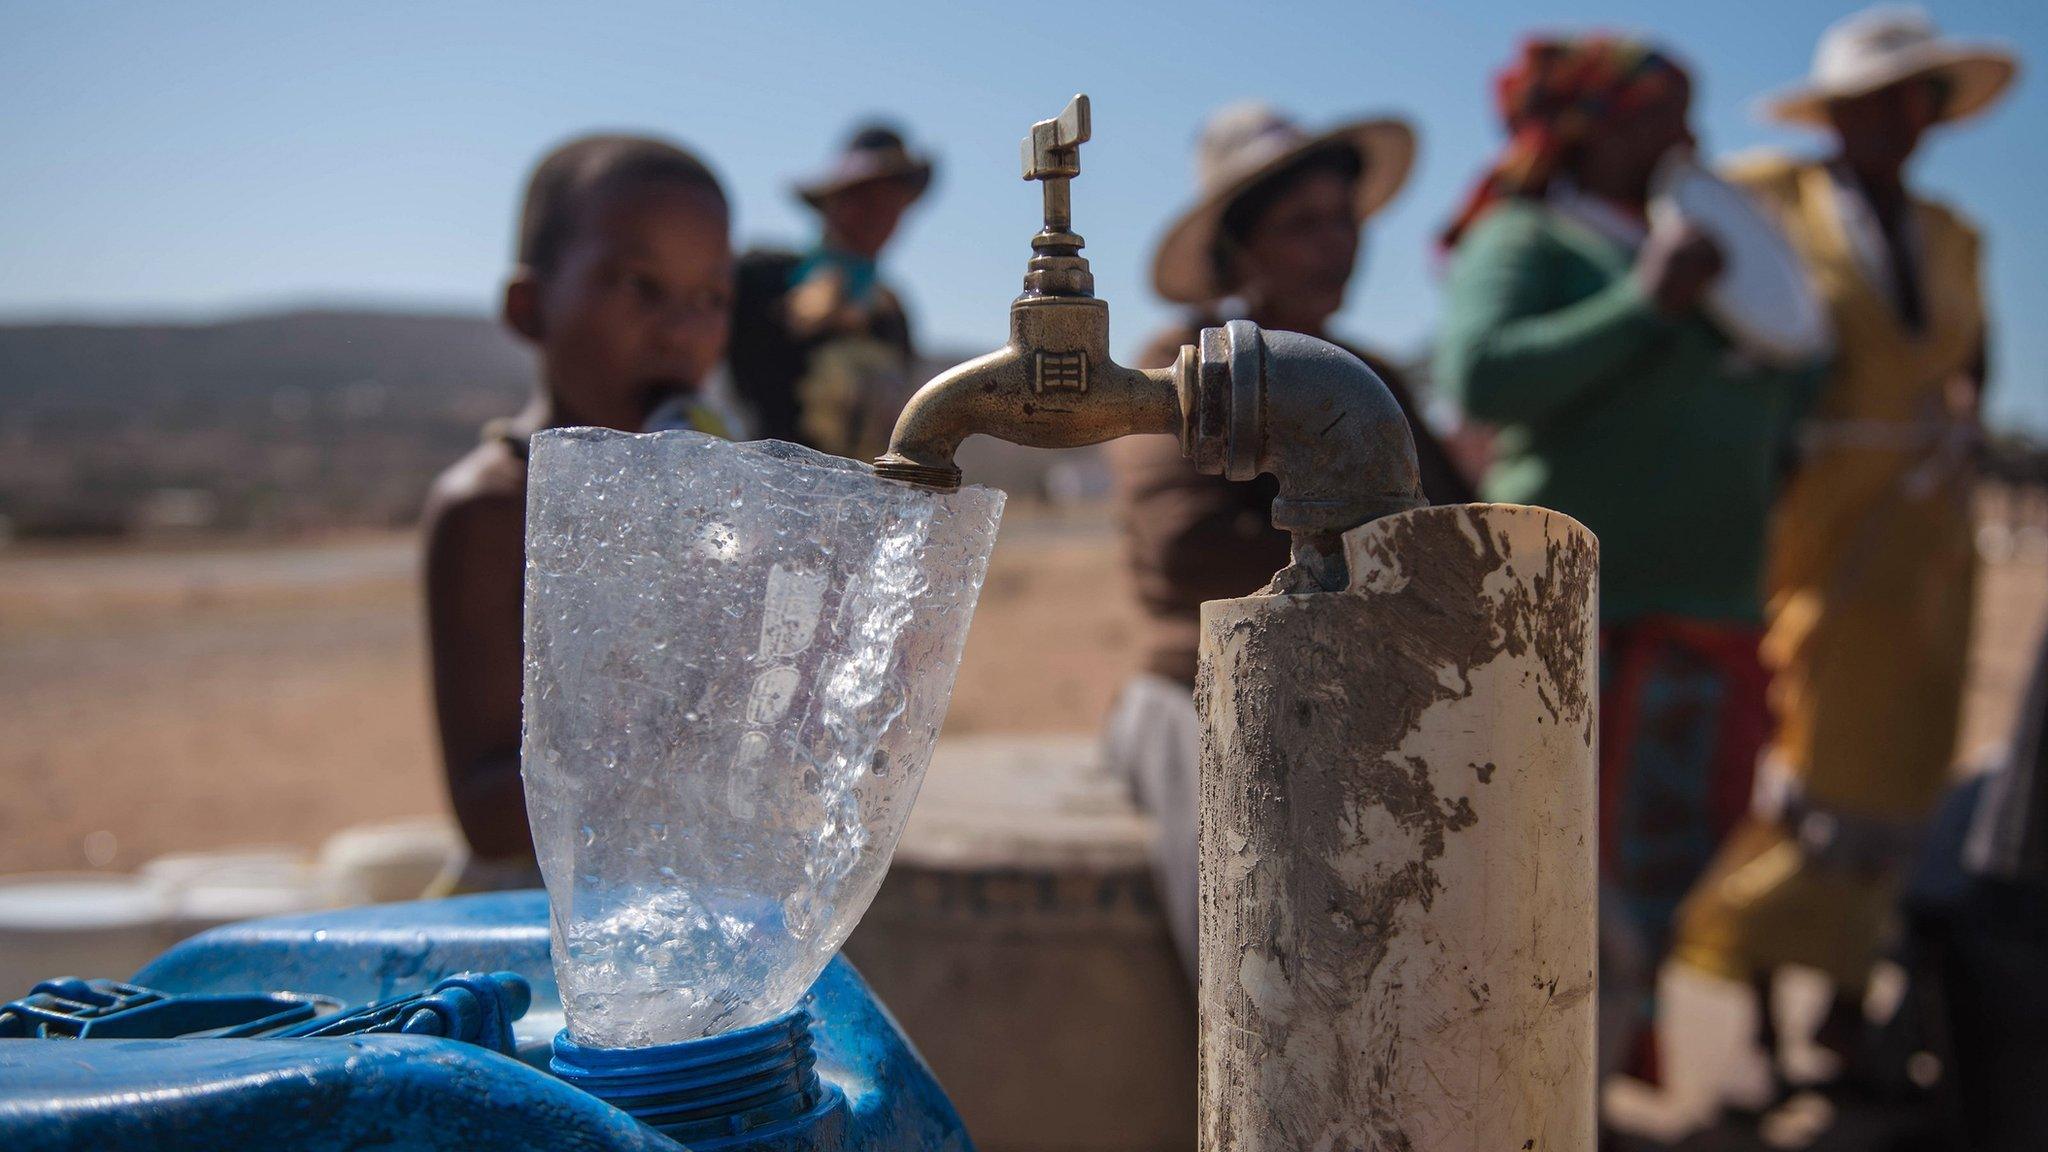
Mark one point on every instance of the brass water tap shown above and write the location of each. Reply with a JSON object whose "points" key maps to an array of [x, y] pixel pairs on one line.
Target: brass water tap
{"points": [[1054, 384], [1242, 401]]}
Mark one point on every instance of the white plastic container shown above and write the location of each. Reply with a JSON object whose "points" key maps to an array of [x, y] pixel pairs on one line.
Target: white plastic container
{"points": [[396, 860], [207, 889], [84, 924]]}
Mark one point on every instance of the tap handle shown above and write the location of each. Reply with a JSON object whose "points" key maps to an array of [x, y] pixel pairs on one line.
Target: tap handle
{"points": [[1053, 150], [1052, 155]]}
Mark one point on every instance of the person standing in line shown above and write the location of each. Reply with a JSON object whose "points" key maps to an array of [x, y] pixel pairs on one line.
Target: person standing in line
{"points": [[821, 347], [1574, 329], [622, 284], [1274, 238], [1872, 561]]}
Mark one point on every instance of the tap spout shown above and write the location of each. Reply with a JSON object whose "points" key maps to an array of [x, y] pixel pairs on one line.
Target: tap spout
{"points": [[1053, 386]]}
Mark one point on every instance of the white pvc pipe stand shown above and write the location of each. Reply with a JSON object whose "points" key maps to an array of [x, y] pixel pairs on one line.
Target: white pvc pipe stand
{"points": [[1398, 845]]}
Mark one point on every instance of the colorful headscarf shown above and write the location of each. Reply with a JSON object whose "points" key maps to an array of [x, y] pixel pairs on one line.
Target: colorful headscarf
{"points": [[1555, 93]]}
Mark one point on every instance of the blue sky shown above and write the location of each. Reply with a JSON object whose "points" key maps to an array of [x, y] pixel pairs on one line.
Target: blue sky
{"points": [[191, 159]]}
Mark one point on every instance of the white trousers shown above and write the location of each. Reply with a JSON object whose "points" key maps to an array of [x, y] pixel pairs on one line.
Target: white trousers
{"points": [[1154, 741]]}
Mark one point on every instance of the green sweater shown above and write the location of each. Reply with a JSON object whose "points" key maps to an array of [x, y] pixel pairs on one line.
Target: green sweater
{"points": [[1646, 428]]}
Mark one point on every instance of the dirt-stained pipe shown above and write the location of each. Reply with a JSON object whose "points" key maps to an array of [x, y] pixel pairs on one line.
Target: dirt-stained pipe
{"points": [[1397, 849]]}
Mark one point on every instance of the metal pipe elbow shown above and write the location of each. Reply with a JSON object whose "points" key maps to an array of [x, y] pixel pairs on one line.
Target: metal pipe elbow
{"points": [[1311, 415]]}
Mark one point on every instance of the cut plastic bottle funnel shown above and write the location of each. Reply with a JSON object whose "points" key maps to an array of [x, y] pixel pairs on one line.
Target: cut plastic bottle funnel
{"points": [[737, 660]]}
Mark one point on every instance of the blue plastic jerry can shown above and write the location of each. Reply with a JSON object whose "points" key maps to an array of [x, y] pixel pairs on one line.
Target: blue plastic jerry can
{"points": [[436, 1025]]}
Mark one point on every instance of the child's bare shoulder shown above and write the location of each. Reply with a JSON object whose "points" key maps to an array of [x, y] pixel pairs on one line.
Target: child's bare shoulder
{"points": [[480, 498]]}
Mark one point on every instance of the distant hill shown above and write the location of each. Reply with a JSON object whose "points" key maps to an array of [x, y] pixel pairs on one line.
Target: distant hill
{"points": [[283, 422], [291, 422]]}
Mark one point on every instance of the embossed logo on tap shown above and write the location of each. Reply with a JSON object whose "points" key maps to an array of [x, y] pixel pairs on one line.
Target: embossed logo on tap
{"points": [[1062, 372]]}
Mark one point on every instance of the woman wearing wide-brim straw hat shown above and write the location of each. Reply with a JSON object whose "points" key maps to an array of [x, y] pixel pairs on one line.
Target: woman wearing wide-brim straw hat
{"points": [[1272, 236], [1246, 144], [1872, 557]]}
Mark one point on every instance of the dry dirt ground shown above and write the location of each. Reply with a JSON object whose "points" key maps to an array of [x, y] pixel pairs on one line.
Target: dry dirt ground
{"points": [[185, 698], [195, 697]]}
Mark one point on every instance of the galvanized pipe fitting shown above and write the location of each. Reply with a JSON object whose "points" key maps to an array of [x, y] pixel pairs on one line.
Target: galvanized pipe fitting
{"points": [[1312, 415]]}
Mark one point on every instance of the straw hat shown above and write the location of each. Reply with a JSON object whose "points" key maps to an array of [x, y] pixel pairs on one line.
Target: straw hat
{"points": [[874, 152], [1880, 47], [1243, 144]]}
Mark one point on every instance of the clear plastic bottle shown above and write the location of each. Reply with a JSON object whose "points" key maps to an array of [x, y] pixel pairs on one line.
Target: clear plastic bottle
{"points": [[737, 660]]}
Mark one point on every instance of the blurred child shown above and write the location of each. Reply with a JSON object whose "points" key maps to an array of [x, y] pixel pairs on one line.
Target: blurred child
{"points": [[623, 286]]}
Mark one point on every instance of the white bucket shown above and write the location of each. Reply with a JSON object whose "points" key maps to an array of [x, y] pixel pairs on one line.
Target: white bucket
{"points": [[399, 860], [207, 889], [77, 924]]}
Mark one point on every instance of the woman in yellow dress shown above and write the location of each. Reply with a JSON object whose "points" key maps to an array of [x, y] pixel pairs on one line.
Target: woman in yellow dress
{"points": [[1872, 559]]}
